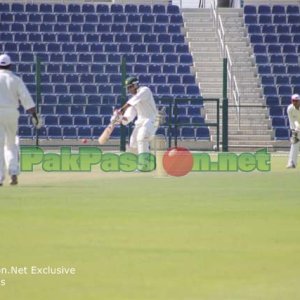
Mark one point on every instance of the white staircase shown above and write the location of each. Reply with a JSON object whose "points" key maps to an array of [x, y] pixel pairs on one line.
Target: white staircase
{"points": [[252, 129]]}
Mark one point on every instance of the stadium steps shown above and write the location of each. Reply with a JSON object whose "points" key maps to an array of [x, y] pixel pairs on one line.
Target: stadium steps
{"points": [[247, 81]]}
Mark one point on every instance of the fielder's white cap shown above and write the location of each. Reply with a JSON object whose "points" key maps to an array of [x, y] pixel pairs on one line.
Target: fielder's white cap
{"points": [[295, 97], [5, 60]]}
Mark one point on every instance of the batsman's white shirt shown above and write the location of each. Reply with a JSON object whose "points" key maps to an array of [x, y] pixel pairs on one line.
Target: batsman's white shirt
{"points": [[144, 104], [294, 116], [12, 92], [146, 110]]}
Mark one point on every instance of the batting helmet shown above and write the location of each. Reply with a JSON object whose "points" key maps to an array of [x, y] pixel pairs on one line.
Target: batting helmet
{"points": [[131, 80]]}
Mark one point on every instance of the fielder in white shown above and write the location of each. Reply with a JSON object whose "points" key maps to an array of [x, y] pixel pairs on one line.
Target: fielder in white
{"points": [[142, 106], [293, 112], [13, 92]]}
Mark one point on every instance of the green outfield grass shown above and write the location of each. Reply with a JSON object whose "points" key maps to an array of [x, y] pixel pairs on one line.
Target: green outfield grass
{"points": [[205, 236]]}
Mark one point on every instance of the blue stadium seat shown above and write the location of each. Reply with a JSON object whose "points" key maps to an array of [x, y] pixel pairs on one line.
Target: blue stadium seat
{"points": [[80, 121], [261, 59], [250, 10], [74, 8], [94, 120], [279, 69], [145, 28], [278, 122], [295, 29], [49, 18], [132, 18], [254, 29], [25, 131], [202, 133], [69, 132], [116, 9], [293, 69], [250, 19], [187, 133], [282, 80], [186, 59], [4, 7], [64, 99], [283, 29], [51, 120], [295, 80], [88, 8], [91, 110], [289, 49], [10, 47], [173, 9], [162, 19], [274, 49], [176, 19], [30, 7], [272, 100], [294, 19], [265, 19], [269, 90], [65, 120], [281, 133], [278, 9], [177, 38], [130, 9], [256, 39], [275, 110], [193, 90], [50, 99], [268, 29], [279, 19], [61, 89], [106, 18], [276, 59], [284, 90], [292, 9], [163, 90], [79, 100], [148, 18], [47, 109], [150, 38], [63, 18], [54, 132], [178, 90], [102, 8], [270, 39], [264, 9], [159, 28], [59, 8]]}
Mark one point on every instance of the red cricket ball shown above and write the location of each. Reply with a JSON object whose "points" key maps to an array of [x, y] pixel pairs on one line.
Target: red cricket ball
{"points": [[178, 161]]}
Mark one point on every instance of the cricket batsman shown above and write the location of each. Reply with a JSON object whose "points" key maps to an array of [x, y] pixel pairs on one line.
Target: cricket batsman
{"points": [[12, 90], [294, 120], [142, 106]]}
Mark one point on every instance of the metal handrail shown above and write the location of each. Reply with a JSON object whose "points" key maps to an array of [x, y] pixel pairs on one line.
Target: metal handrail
{"points": [[237, 100], [221, 33], [234, 90]]}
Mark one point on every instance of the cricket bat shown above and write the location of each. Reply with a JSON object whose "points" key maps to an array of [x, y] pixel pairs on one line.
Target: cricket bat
{"points": [[105, 135]]}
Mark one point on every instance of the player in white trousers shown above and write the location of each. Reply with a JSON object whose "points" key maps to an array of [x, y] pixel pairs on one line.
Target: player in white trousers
{"points": [[293, 112], [142, 106], [13, 92]]}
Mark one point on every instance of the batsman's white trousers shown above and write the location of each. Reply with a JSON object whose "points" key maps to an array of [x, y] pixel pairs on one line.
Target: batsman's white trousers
{"points": [[9, 149], [293, 156], [142, 135]]}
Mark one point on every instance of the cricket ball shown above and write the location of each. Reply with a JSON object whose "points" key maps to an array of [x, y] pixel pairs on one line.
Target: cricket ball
{"points": [[178, 161], [84, 141]]}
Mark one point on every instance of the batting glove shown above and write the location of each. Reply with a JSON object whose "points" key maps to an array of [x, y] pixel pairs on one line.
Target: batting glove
{"points": [[37, 121], [116, 117]]}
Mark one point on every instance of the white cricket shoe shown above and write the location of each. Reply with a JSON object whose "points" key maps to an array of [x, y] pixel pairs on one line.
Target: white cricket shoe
{"points": [[291, 166]]}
